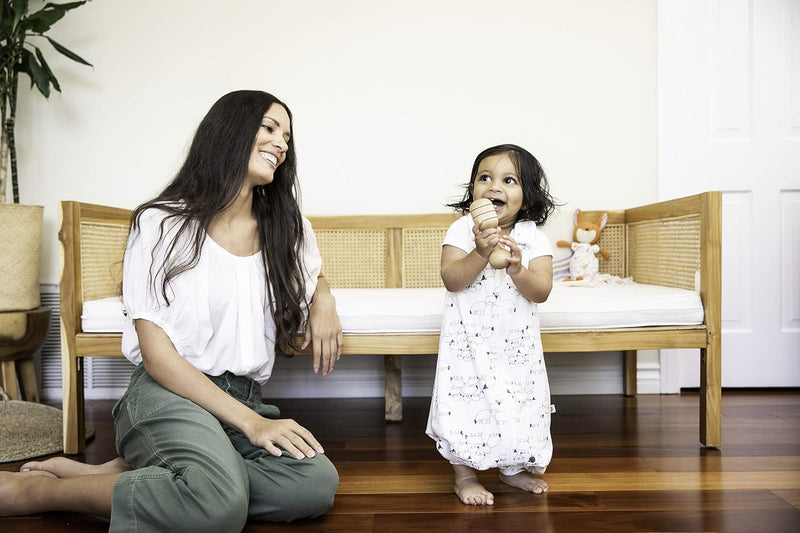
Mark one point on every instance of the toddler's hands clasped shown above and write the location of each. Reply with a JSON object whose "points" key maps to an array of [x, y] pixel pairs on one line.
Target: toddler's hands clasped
{"points": [[514, 264], [485, 240]]}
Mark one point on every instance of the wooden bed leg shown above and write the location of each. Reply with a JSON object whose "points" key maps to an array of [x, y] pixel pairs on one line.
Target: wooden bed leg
{"points": [[73, 408], [711, 293], [393, 388], [629, 372], [711, 394], [27, 372], [8, 371]]}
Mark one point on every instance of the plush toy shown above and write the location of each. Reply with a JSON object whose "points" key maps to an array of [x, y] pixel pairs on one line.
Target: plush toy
{"points": [[583, 264]]}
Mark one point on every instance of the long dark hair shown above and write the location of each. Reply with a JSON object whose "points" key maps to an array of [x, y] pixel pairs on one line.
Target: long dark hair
{"points": [[537, 203], [208, 182]]}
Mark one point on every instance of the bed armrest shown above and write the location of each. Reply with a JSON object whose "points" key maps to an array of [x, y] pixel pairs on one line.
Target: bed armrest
{"points": [[92, 239]]}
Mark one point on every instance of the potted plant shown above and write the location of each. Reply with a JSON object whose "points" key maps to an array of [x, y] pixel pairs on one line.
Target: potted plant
{"points": [[21, 33]]}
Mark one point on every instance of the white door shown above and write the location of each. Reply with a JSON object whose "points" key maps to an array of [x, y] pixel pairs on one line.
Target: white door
{"points": [[729, 120]]}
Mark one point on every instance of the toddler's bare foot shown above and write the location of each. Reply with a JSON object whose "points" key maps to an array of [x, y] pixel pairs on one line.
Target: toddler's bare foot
{"points": [[63, 467], [468, 488], [525, 481], [15, 492]]}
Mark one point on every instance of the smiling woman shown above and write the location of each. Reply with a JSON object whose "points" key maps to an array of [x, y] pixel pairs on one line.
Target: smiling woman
{"points": [[272, 141], [221, 270]]}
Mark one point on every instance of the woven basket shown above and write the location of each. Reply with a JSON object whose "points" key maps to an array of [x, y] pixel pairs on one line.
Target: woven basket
{"points": [[21, 245]]}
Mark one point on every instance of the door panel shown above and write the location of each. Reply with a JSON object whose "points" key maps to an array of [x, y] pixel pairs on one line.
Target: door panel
{"points": [[729, 119]]}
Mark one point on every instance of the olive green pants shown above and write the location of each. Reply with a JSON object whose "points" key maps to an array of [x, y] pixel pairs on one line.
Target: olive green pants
{"points": [[193, 473]]}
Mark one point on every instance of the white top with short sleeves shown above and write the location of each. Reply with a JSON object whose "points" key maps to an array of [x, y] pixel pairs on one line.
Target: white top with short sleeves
{"points": [[218, 318]]}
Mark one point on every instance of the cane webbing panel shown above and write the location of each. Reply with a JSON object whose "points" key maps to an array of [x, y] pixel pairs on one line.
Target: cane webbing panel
{"points": [[422, 256], [665, 252], [102, 250], [612, 240], [353, 258]]}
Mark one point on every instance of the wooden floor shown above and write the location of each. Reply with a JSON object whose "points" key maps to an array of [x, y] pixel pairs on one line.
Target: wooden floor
{"points": [[620, 465]]}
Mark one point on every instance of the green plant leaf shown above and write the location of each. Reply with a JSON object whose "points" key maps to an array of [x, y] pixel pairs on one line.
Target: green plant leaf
{"points": [[72, 55], [10, 16], [38, 75], [19, 9], [48, 70], [41, 21], [67, 6]]}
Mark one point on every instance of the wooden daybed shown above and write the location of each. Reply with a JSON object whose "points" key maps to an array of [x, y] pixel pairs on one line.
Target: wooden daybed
{"points": [[666, 244]]}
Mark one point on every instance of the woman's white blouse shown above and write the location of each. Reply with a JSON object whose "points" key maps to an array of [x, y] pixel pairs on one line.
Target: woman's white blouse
{"points": [[218, 318]]}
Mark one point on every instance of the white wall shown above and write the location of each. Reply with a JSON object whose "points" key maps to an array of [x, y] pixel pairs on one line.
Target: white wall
{"points": [[392, 100]]}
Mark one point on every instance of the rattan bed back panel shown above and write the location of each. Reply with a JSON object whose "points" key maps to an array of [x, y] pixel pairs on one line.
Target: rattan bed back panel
{"points": [[613, 241], [353, 258], [665, 252], [422, 257], [102, 250]]}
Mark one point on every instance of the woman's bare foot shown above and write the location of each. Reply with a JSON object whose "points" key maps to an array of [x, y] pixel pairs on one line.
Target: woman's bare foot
{"points": [[64, 467], [525, 481], [468, 488], [16, 492]]}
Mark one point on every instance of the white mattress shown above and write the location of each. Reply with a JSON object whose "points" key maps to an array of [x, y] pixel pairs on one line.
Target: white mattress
{"points": [[573, 306], [103, 316], [389, 310], [570, 306]]}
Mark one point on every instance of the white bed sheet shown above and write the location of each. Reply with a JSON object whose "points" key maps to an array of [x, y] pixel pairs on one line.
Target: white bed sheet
{"points": [[103, 316], [570, 306]]}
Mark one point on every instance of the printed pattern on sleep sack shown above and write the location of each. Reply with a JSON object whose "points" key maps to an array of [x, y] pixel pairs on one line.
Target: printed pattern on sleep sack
{"points": [[490, 406]]}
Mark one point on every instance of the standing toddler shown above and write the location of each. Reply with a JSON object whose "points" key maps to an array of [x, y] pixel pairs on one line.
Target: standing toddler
{"points": [[490, 406]]}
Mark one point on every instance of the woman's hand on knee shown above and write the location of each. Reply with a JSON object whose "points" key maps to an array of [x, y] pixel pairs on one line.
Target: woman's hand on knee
{"points": [[285, 434]]}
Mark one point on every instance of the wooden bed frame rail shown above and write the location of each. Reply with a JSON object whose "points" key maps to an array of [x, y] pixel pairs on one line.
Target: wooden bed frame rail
{"points": [[665, 243]]}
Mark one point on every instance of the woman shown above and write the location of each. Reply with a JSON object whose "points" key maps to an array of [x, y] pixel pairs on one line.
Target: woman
{"points": [[220, 271]]}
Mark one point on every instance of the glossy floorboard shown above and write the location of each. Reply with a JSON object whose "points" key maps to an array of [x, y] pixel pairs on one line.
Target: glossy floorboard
{"points": [[620, 465]]}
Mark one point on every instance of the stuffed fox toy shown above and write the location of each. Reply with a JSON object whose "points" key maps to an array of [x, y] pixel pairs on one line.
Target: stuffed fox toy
{"points": [[583, 264]]}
